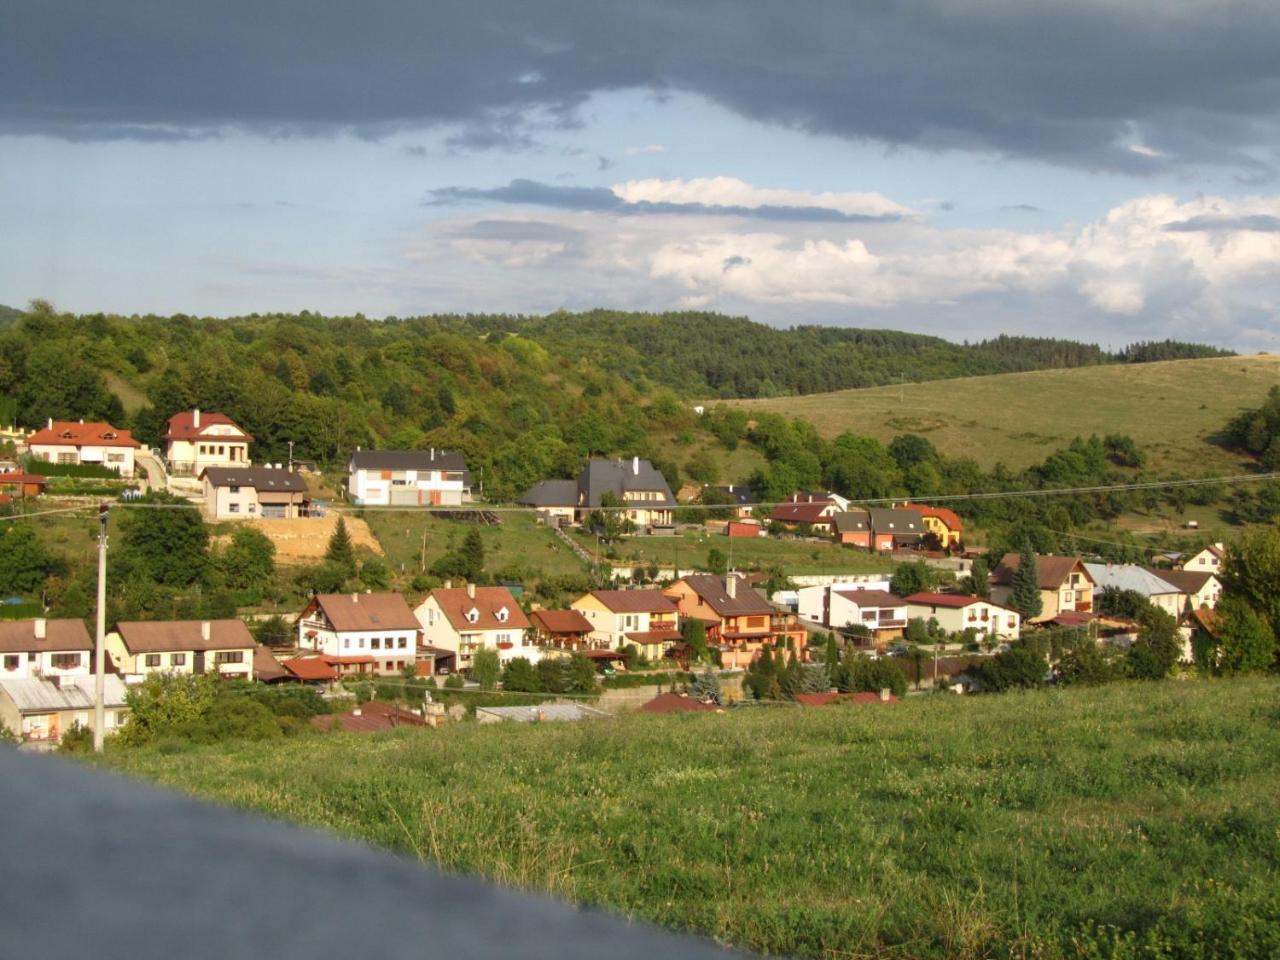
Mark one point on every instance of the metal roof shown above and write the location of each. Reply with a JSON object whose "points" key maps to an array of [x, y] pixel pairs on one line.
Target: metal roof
{"points": [[77, 693], [545, 711], [1128, 576]]}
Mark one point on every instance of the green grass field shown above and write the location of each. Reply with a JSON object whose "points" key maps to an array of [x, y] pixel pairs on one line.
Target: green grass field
{"points": [[1170, 409], [518, 541], [1126, 821], [756, 553]]}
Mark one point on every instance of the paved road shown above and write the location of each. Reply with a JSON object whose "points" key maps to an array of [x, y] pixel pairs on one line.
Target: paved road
{"points": [[157, 476]]}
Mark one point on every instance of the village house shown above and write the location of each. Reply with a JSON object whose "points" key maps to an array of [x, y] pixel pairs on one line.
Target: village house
{"points": [[360, 633], [40, 711], [941, 524], [738, 620], [806, 511], [77, 442], [566, 630], [813, 603], [618, 617], [237, 493], [641, 489], [196, 440], [1199, 587], [221, 647], [466, 619], [879, 611], [1065, 585], [736, 495], [1208, 560], [853, 527], [896, 529], [408, 478], [956, 612], [32, 649], [1160, 592], [22, 485]]}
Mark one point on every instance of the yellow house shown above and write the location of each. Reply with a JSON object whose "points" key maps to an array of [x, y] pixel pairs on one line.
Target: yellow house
{"points": [[221, 647], [618, 617]]}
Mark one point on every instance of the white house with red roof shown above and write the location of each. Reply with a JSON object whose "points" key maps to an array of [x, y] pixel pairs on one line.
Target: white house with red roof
{"points": [[465, 619], [956, 612], [75, 441], [196, 440], [882, 613], [360, 633]]}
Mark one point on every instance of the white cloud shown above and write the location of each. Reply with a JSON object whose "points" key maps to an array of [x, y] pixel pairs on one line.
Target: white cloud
{"points": [[732, 192], [646, 148]]}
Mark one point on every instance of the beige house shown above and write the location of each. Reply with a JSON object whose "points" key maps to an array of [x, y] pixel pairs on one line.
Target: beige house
{"points": [[39, 712], [1198, 588], [640, 488], [221, 647], [1065, 585], [236, 493], [957, 612], [48, 649], [1208, 560], [618, 617], [197, 440], [466, 619]]}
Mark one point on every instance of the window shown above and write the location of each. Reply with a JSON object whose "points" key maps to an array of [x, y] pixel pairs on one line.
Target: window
{"points": [[1068, 596], [502, 615], [229, 656], [233, 508], [234, 488], [868, 615], [67, 458], [153, 660], [376, 643], [404, 643], [346, 643], [65, 661], [473, 615], [11, 661], [178, 660]]}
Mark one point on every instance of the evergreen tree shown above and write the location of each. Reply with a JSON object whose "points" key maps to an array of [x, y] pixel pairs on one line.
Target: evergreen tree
{"points": [[340, 551], [832, 654], [472, 554], [1025, 595], [1245, 642], [706, 686], [695, 635]]}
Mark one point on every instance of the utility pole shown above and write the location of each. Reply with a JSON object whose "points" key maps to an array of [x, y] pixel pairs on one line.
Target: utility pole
{"points": [[99, 648]]}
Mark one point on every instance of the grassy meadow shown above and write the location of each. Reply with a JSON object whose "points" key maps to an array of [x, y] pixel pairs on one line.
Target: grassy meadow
{"points": [[1125, 821], [1171, 409]]}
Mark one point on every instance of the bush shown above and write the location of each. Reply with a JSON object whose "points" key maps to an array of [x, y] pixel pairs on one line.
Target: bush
{"points": [[454, 682], [44, 468], [79, 739], [1018, 667], [231, 717]]}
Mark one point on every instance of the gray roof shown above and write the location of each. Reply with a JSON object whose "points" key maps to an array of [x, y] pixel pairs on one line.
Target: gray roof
{"points": [[77, 693], [410, 460], [551, 493], [898, 522], [739, 493], [260, 478], [548, 711], [622, 476], [852, 521], [1128, 576]]}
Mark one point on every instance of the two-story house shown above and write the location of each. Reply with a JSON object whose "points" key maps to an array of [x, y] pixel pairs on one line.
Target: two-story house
{"points": [[639, 487], [956, 612], [221, 647], [942, 525], [30, 649], [77, 442], [360, 633], [879, 611], [466, 619], [408, 478], [1159, 592], [896, 529], [196, 440], [1065, 585], [618, 617], [853, 527], [39, 711], [739, 621], [237, 493], [814, 511], [1208, 560], [1199, 587]]}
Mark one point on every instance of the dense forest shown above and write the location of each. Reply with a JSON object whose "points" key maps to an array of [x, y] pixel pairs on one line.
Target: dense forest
{"points": [[522, 397]]}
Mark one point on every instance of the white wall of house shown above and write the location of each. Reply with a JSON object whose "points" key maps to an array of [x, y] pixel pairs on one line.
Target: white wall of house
{"points": [[510, 642], [374, 487], [217, 446], [30, 665], [812, 600], [988, 619], [119, 459], [846, 613], [391, 645]]}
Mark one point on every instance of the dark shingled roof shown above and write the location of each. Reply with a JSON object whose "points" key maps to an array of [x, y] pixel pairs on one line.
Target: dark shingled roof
{"points": [[1051, 571], [634, 601], [712, 590], [1185, 581], [260, 478], [551, 493], [852, 521], [897, 522], [621, 476]]}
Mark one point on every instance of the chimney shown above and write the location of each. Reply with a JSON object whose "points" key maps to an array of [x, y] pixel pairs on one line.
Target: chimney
{"points": [[448, 584], [41, 628], [355, 598], [635, 466], [433, 454], [195, 418], [885, 694], [51, 423], [471, 591], [541, 715], [205, 628], [731, 586]]}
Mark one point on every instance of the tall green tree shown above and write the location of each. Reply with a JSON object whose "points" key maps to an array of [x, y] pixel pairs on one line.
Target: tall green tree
{"points": [[1025, 595], [472, 554], [248, 561], [165, 542], [24, 561], [485, 668], [340, 552], [1245, 642]]}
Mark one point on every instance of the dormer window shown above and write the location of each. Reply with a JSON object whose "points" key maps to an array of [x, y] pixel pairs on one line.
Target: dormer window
{"points": [[473, 615], [503, 615], [109, 435], [66, 434]]}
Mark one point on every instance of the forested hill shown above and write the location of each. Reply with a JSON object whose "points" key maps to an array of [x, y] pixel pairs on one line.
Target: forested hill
{"points": [[712, 355]]}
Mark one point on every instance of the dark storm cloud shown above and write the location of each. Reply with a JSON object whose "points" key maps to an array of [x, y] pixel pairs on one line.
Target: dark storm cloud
{"points": [[1258, 222], [604, 200], [1076, 83]]}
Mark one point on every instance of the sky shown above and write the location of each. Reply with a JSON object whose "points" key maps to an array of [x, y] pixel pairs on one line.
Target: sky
{"points": [[964, 168]]}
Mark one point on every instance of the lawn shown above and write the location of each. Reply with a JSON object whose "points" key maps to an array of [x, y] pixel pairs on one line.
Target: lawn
{"points": [[518, 541], [1126, 821], [690, 549], [1171, 409]]}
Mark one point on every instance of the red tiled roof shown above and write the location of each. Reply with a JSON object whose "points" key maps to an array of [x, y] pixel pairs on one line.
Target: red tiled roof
{"points": [[956, 600], [674, 703], [182, 426], [373, 717], [561, 621], [713, 590], [948, 517], [365, 611], [1052, 571], [16, 477], [1073, 618], [19, 636], [654, 636], [871, 598], [79, 434], [634, 601], [163, 636], [455, 602], [310, 668], [803, 512]]}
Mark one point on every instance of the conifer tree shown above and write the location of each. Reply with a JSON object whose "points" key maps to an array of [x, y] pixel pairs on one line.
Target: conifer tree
{"points": [[706, 686], [340, 552], [1025, 596]]}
